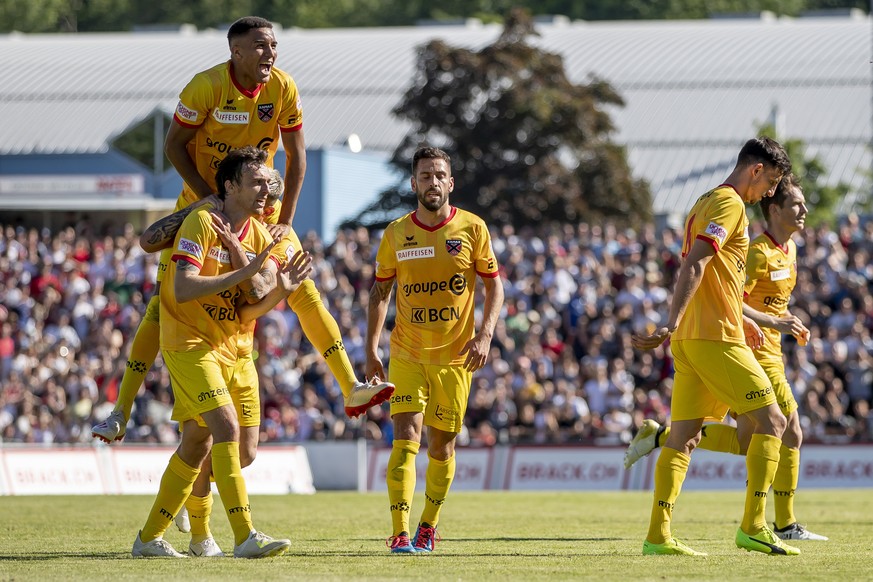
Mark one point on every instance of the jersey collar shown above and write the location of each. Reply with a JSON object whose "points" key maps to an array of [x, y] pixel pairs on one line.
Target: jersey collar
{"points": [[783, 248], [453, 210], [731, 186], [251, 94]]}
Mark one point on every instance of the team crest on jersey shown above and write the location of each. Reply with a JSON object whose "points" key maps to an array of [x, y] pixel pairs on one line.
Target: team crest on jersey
{"points": [[265, 112], [453, 246]]}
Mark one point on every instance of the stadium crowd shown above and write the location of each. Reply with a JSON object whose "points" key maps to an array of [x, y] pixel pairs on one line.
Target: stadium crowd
{"points": [[562, 368]]}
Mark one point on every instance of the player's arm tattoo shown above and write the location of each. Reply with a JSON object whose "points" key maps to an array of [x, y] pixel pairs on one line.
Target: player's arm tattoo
{"points": [[183, 265], [261, 285], [381, 291], [165, 229]]}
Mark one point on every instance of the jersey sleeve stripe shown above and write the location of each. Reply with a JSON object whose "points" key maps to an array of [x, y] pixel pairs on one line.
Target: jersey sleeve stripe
{"points": [[297, 127], [488, 275], [188, 258], [184, 123], [382, 279], [709, 241]]}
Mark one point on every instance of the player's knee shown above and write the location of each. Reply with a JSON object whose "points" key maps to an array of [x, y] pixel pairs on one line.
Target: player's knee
{"points": [[778, 423], [693, 442], [247, 455]]}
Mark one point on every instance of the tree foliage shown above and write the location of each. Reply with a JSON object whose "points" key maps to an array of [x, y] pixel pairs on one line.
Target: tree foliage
{"points": [[821, 199], [527, 144], [107, 15]]}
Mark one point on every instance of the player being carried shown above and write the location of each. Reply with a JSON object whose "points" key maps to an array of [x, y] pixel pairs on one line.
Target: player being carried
{"points": [[202, 340], [243, 101]]}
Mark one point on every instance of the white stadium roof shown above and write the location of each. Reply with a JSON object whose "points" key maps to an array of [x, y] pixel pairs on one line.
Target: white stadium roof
{"points": [[694, 90]]}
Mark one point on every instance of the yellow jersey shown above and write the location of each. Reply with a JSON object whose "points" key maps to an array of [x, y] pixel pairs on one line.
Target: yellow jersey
{"points": [[715, 311], [210, 322], [227, 116], [435, 268], [771, 273]]}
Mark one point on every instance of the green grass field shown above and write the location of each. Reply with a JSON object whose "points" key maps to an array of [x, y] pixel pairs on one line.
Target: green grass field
{"points": [[486, 536]]}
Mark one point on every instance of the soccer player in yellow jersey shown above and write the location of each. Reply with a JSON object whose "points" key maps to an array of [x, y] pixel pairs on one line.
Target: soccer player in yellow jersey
{"points": [[199, 340], [434, 254], [714, 368], [771, 273], [243, 101]]}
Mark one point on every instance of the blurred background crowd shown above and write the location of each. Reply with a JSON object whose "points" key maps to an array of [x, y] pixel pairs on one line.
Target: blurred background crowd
{"points": [[562, 369]]}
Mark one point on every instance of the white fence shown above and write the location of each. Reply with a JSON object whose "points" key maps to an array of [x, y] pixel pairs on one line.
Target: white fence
{"points": [[122, 469]]}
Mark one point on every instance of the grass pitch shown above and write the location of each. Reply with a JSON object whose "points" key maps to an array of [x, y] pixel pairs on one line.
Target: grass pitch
{"points": [[486, 536]]}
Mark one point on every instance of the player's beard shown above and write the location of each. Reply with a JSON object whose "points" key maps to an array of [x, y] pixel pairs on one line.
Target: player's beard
{"points": [[430, 205]]}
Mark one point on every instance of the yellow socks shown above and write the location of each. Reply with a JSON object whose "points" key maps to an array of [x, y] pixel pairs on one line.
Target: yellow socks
{"points": [[175, 487], [199, 510], [720, 438], [232, 488], [400, 478], [323, 332], [761, 462], [784, 484], [439, 478], [670, 473], [143, 352]]}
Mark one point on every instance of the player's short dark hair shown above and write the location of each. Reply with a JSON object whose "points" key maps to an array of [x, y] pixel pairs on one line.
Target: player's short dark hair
{"points": [[783, 191], [767, 151], [242, 26], [429, 153], [231, 167]]}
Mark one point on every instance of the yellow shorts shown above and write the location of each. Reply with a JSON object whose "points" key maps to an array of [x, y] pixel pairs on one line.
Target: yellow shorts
{"points": [[202, 382], [440, 392], [775, 370], [712, 377]]}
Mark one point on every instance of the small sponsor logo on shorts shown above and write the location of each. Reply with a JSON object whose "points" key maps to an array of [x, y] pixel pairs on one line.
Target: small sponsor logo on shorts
{"points": [[445, 414], [210, 394], [401, 399], [755, 394], [246, 410]]}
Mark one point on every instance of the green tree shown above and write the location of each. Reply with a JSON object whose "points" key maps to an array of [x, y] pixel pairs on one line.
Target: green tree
{"points": [[527, 144]]}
